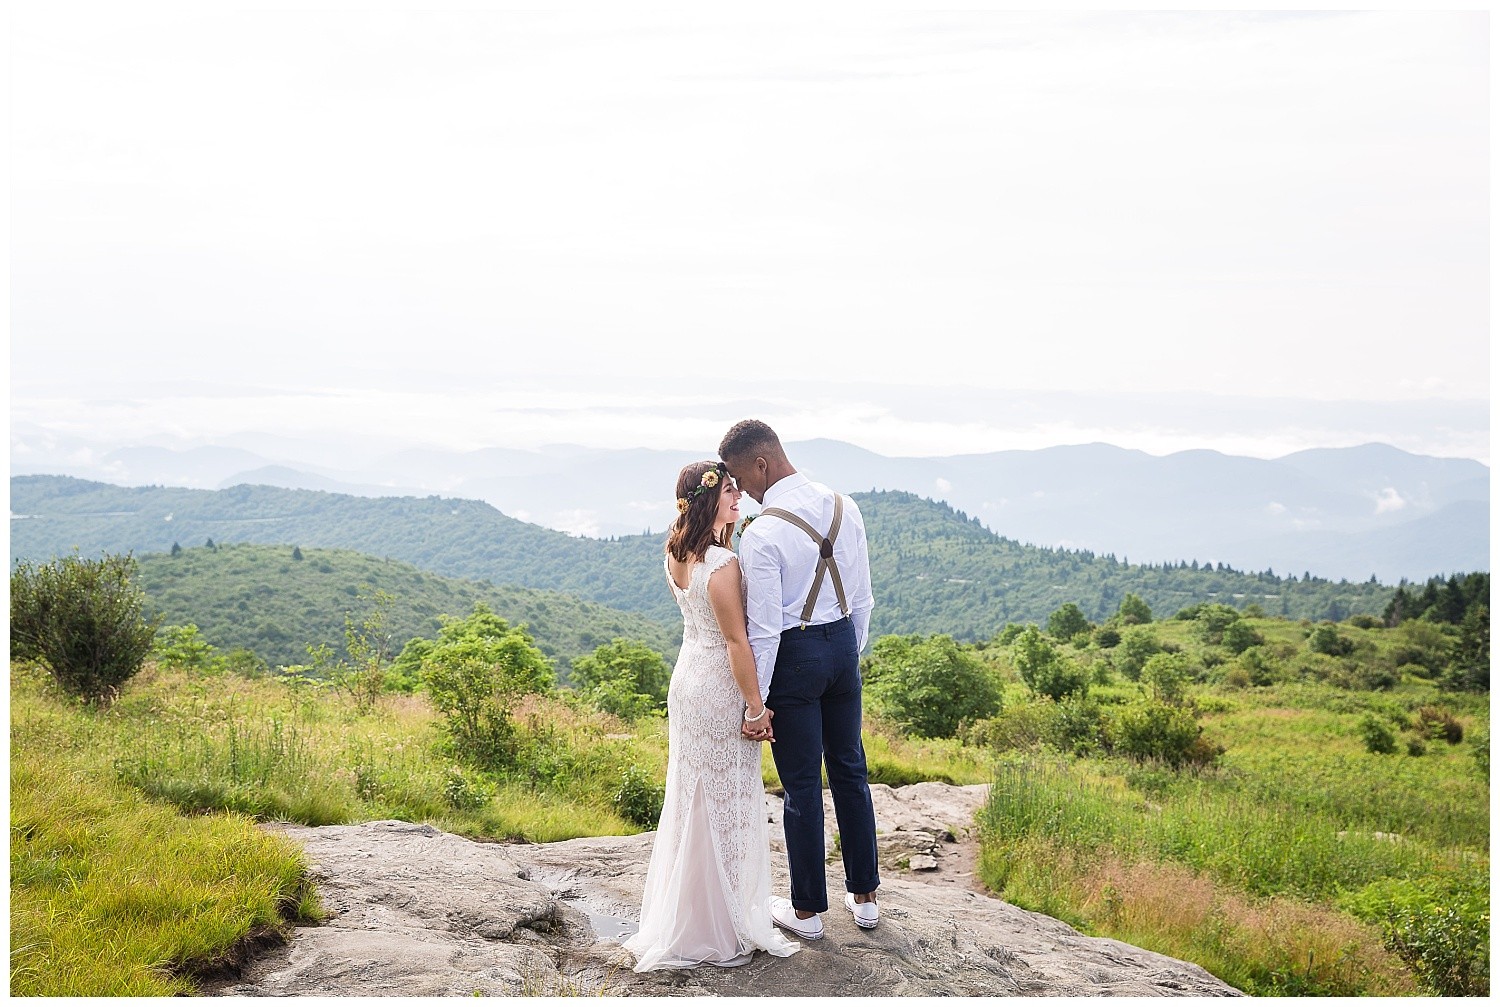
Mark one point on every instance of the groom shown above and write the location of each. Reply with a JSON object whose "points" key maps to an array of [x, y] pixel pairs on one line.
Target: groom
{"points": [[808, 600]]}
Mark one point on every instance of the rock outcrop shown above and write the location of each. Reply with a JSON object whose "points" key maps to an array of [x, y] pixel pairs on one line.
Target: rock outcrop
{"points": [[417, 911]]}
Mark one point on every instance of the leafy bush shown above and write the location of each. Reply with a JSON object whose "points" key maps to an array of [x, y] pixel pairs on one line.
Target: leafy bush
{"points": [[1137, 644], [1433, 722], [83, 620], [1239, 636], [1079, 725], [1326, 639], [1167, 677], [1212, 620], [1421, 643], [474, 671], [623, 677], [1416, 747], [465, 791], [1022, 726], [1007, 636], [639, 799], [1365, 622], [1170, 734], [1377, 735], [929, 686], [182, 647], [1106, 637], [1045, 671], [1439, 927], [1260, 665], [1133, 611], [1067, 621]]}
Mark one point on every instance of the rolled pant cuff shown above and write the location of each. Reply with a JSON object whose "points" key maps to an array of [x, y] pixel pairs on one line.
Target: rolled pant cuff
{"points": [[809, 906], [862, 889]]}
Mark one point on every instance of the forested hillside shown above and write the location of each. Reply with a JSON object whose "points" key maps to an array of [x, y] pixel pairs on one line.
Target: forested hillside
{"points": [[935, 570], [275, 602]]}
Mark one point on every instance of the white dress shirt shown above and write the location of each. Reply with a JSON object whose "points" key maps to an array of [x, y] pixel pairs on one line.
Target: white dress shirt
{"points": [[778, 561]]}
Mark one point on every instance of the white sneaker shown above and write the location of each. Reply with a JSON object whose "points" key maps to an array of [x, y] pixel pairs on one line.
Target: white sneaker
{"points": [[866, 914], [784, 916]]}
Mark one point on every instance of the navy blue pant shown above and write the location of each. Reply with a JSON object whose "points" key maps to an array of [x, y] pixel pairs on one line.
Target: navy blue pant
{"points": [[815, 695]]}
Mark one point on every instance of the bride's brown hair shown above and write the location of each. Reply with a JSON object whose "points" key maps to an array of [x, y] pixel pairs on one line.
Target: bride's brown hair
{"points": [[693, 532]]}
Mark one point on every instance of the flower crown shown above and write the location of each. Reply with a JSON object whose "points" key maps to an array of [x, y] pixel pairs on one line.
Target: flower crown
{"points": [[709, 481]]}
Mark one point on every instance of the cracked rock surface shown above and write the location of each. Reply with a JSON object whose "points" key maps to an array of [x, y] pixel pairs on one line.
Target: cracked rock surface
{"points": [[417, 911]]}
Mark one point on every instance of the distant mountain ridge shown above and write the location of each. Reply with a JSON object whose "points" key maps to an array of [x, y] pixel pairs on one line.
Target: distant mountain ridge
{"points": [[1336, 512], [936, 570]]}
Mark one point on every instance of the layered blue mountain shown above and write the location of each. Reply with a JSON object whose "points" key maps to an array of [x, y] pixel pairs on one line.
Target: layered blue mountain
{"points": [[1341, 513]]}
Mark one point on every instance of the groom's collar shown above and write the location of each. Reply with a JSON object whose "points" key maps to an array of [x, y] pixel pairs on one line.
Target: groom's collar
{"points": [[783, 486]]}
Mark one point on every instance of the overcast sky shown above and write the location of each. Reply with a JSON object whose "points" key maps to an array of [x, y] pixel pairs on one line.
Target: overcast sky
{"points": [[922, 233]]}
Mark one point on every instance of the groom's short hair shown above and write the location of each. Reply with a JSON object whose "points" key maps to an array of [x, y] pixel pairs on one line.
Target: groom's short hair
{"points": [[747, 438]]}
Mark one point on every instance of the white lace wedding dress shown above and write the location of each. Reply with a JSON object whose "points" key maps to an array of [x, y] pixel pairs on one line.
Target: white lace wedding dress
{"points": [[709, 881]]}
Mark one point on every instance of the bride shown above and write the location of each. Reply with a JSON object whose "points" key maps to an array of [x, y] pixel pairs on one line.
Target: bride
{"points": [[708, 886]]}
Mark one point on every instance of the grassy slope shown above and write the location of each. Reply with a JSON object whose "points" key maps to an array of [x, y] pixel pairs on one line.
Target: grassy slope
{"points": [[115, 895], [1241, 868]]}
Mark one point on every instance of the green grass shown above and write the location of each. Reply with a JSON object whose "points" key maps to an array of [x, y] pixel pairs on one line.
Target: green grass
{"points": [[112, 895], [1249, 867]]}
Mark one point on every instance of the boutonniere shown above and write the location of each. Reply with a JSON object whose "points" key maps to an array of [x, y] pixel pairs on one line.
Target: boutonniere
{"points": [[746, 524]]}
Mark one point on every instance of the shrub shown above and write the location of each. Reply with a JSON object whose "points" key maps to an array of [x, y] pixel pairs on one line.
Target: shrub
{"points": [[1421, 643], [1326, 639], [1439, 927], [1106, 637], [1260, 666], [1022, 726], [465, 792], [1170, 734], [623, 677], [83, 620], [1434, 723], [929, 686], [1137, 644], [1212, 620], [1079, 725], [1481, 744], [1365, 622], [1378, 737], [1239, 636], [1067, 621], [1044, 670], [1134, 611], [1008, 635], [1167, 677], [639, 799], [182, 647], [473, 672], [1416, 747]]}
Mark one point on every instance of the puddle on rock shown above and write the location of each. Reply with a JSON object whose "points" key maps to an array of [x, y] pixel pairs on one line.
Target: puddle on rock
{"points": [[611, 928]]}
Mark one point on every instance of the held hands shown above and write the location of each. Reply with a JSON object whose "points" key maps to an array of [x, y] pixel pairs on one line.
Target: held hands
{"points": [[758, 728]]}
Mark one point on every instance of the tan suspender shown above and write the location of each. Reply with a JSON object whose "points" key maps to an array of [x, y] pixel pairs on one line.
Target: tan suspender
{"points": [[825, 554]]}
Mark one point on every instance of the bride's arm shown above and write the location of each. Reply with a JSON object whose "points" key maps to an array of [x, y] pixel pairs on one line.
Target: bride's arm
{"points": [[729, 610]]}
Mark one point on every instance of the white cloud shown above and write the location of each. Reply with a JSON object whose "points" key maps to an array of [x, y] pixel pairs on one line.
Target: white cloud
{"points": [[1388, 500], [1275, 508], [943, 485]]}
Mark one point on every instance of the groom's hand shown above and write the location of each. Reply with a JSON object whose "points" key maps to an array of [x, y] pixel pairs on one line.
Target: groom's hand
{"points": [[759, 731]]}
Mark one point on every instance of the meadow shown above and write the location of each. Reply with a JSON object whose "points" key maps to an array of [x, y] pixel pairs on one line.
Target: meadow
{"points": [[1294, 861], [1298, 862]]}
